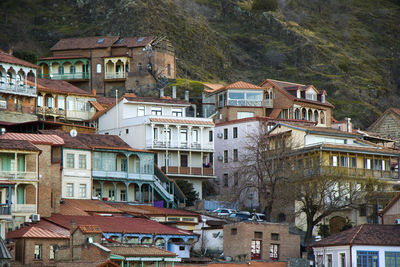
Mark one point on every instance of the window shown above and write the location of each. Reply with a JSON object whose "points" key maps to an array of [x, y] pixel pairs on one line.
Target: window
{"points": [[274, 236], [126, 131], [328, 260], [155, 133], [140, 66], [250, 99], [362, 210], [226, 182], [243, 114], [61, 102], [140, 111], [210, 136], [39, 101], [234, 231], [225, 133], [274, 252], [111, 193], [311, 96], [156, 111], [82, 190], [98, 68], [181, 248], [334, 161], [235, 155], [235, 132], [195, 136], [258, 235], [51, 253], [124, 164], [343, 161], [122, 195], [225, 156], [367, 163], [70, 190], [82, 161], [183, 136], [50, 102], [342, 259], [169, 69], [38, 252], [177, 112], [367, 259], [70, 161], [392, 259], [354, 162]]}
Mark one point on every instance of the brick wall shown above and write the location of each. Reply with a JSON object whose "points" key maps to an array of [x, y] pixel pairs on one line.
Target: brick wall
{"points": [[240, 243], [388, 126]]}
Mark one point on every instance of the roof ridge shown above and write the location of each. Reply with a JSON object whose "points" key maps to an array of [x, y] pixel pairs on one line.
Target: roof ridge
{"points": [[355, 235]]}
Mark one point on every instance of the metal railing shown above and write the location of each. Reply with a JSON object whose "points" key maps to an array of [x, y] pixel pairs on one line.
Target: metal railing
{"points": [[67, 76], [245, 103], [188, 170], [5, 209], [14, 88], [185, 145], [24, 208], [16, 175], [50, 111], [115, 75]]}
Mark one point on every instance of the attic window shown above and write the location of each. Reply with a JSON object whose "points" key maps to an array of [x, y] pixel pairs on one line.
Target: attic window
{"points": [[100, 40], [119, 41], [140, 39]]}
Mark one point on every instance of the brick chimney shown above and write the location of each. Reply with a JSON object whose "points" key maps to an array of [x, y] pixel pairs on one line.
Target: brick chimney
{"points": [[94, 92]]}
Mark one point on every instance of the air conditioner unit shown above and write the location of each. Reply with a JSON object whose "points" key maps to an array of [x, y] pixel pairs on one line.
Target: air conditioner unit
{"points": [[220, 158], [220, 135], [35, 217], [397, 221]]}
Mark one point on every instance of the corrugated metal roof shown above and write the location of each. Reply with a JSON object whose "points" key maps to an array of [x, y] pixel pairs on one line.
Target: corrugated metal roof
{"points": [[35, 138], [42, 229]]}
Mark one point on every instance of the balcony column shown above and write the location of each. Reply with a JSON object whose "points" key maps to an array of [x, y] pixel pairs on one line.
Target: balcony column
{"points": [[36, 198], [115, 191], [152, 194], [178, 128], [127, 191], [139, 198], [16, 165], [152, 135], [101, 190], [166, 137], [201, 162], [201, 137], [189, 141], [398, 167], [149, 195]]}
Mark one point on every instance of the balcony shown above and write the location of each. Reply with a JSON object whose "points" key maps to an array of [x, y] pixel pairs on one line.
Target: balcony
{"points": [[115, 75], [5, 209], [24, 208], [13, 175], [268, 103], [46, 111], [17, 89], [245, 103], [122, 175], [67, 76], [79, 115], [188, 171], [176, 145], [353, 172]]}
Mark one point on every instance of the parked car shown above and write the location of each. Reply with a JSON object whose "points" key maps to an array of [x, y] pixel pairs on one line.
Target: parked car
{"points": [[222, 211], [241, 216], [258, 217]]}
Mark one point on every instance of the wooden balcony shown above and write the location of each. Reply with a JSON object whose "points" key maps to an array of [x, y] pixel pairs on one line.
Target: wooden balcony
{"points": [[188, 171]]}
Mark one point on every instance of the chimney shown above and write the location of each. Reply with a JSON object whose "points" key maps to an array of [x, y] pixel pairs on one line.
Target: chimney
{"points": [[94, 92], [187, 95], [161, 92], [174, 91], [349, 127], [73, 225]]}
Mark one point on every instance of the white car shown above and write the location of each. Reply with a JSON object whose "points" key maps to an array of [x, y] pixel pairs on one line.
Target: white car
{"points": [[222, 212], [258, 217]]}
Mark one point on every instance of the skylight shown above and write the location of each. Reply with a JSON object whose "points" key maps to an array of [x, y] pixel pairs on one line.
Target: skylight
{"points": [[100, 40]]}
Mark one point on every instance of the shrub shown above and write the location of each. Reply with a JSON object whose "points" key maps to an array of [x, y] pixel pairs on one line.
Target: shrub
{"points": [[265, 5]]}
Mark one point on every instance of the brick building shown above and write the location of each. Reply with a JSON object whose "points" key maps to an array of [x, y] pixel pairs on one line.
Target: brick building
{"points": [[110, 62], [260, 241], [388, 125], [391, 213]]}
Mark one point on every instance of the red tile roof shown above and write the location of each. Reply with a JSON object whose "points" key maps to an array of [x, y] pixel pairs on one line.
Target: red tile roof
{"points": [[43, 139], [62, 57], [134, 41], [90, 229], [42, 229], [97, 105], [139, 251], [211, 87], [105, 101], [242, 85], [150, 210], [118, 224], [365, 234], [85, 43], [58, 86], [69, 141], [181, 121], [84, 207], [10, 144], [7, 58], [275, 113]]}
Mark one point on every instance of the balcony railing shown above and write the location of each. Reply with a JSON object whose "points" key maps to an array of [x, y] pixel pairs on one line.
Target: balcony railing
{"points": [[183, 145], [67, 76], [5, 209], [24, 208], [124, 175], [50, 111], [352, 172], [115, 75], [268, 103], [245, 103], [18, 89], [188, 170], [13, 175]]}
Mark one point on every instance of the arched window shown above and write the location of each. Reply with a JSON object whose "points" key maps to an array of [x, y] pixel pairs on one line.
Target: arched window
{"points": [[297, 114], [304, 114], [322, 117], [9, 77], [316, 116], [72, 69], [310, 113]]}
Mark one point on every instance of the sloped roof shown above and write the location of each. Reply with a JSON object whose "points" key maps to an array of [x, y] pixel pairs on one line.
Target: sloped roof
{"points": [[58, 86], [97, 105], [4, 253], [118, 224], [47, 139], [235, 85], [151, 210], [84, 207], [134, 41], [395, 111], [90, 229], [391, 203], [69, 141], [365, 234], [7, 58], [11, 144], [210, 87], [85, 43], [139, 251], [42, 229]]}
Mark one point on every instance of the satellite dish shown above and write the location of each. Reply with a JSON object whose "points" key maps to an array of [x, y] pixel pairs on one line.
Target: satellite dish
{"points": [[73, 133]]}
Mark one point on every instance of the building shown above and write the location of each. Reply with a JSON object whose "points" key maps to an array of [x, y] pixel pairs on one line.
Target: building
{"points": [[388, 124], [245, 241], [60, 101], [183, 146], [320, 150], [107, 168], [362, 246], [17, 97], [391, 213], [18, 183], [49, 185], [232, 140], [109, 63]]}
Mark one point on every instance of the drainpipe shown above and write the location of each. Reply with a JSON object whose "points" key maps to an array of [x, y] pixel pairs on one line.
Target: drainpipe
{"points": [[351, 258]]}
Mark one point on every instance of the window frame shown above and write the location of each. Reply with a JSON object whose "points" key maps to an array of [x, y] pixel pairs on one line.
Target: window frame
{"points": [[69, 190], [235, 132], [70, 162], [82, 193], [82, 161], [37, 252]]}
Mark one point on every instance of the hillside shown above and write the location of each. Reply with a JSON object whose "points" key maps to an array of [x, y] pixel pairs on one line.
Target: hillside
{"points": [[351, 48]]}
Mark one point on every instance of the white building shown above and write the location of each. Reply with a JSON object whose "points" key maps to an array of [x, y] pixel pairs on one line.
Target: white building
{"points": [[184, 145], [362, 246]]}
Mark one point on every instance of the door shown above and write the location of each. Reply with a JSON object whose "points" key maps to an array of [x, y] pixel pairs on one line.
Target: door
{"points": [[256, 249], [184, 160], [20, 194]]}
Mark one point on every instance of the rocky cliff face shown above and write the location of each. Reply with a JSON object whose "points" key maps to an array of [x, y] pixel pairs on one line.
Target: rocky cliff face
{"points": [[351, 48]]}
